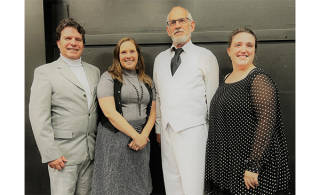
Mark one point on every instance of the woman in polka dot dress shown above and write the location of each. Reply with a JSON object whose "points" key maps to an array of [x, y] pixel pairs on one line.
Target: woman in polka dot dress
{"points": [[246, 148]]}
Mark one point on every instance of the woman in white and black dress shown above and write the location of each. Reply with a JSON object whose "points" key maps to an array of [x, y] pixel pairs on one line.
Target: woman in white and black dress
{"points": [[246, 148], [127, 98]]}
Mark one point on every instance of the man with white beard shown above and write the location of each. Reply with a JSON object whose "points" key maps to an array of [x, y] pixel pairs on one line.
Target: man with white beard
{"points": [[186, 77]]}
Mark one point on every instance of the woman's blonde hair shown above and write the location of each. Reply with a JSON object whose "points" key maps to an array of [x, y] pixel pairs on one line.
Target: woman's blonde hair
{"points": [[116, 70]]}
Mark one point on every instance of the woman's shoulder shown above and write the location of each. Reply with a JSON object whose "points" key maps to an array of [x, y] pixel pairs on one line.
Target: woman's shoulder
{"points": [[105, 86], [106, 77], [259, 71], [259, 75]]}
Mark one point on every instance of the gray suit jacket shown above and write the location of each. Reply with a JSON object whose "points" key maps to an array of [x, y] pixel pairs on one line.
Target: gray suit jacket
{"points": [[61, 121]]}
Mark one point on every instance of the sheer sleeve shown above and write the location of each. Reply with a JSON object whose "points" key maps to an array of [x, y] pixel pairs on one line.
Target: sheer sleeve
{"points": [[265, 104]]}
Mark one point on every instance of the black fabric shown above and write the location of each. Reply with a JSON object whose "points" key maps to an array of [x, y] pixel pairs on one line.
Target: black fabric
{"points": [[246, 133], [176, 60], [117, 99], [215, 190]]}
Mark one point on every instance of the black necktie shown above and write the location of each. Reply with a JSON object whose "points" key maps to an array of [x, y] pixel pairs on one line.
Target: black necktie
{"points": [[176, 60]]}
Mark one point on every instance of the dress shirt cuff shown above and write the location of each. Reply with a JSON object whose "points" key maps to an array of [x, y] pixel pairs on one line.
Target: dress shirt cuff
{"points": [[158, 128]]}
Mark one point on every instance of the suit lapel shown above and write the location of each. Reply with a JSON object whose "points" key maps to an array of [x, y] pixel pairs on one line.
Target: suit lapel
{"points": [[67, 73], [87, 69], [90, 76]]}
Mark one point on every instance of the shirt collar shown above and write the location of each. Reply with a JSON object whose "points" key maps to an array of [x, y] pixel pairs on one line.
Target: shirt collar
{"points": [[71, 62], [186, 48]]}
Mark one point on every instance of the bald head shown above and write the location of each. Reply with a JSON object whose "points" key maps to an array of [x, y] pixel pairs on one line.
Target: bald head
{"points": [[179, 8], [181, 26]]}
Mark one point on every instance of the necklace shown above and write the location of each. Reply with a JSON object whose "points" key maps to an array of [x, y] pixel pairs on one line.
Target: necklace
{"points": [[138, 99]]}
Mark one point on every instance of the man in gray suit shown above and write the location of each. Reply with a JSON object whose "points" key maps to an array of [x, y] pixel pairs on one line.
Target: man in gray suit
{"points": [[63, 113]]}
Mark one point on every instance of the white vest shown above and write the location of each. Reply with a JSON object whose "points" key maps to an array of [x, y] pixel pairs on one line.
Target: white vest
{"points": [[182, 96]]}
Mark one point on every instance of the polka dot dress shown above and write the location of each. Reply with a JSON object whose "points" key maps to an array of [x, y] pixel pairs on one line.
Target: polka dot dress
{"points": [[246, 133]]}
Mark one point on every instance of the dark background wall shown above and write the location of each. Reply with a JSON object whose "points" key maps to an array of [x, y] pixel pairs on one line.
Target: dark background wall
{"points": [[106, 22]]}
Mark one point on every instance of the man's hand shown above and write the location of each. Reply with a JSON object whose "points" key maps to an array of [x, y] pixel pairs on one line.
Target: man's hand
{"points": [[58, 163], [159, 139]]}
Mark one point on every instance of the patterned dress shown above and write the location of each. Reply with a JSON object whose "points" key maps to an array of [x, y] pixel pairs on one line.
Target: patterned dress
{"points": [[246, 133], [119, 170]]}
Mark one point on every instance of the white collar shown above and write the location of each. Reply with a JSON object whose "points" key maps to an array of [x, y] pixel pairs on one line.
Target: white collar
{"points": [[186, 48], [73, 63]]}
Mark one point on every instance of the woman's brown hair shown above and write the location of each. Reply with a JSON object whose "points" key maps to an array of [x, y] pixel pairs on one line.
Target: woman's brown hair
{"points": [[240, 30], [116, 70]]}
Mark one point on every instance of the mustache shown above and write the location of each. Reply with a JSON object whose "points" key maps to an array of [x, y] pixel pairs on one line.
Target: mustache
{"points": [[178, 30]]}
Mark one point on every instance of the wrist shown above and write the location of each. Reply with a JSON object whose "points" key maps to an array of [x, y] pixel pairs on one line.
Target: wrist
{"points": [[135, 135], [145, 133]]}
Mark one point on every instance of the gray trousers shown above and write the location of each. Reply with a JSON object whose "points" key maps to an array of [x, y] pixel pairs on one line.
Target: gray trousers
{"points": [[72, 179]]}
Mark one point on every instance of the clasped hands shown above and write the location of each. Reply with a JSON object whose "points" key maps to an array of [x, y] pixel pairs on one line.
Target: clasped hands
{"points": [[139, 142]]}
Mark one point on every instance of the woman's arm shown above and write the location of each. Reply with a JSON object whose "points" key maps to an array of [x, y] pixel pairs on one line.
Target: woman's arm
{"points": [[266, 107], [148, 127], [152, 118], [108, 108]]}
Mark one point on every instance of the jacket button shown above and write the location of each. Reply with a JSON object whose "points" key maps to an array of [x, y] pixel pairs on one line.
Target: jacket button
{"points": [[84, 95], [89, 114]]}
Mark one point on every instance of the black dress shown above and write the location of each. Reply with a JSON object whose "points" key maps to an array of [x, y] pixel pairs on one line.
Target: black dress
{"points": [[246, 133]]}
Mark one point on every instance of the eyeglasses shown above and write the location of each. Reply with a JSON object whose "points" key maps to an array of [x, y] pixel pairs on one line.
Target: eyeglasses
{"points": [[180, 20]]}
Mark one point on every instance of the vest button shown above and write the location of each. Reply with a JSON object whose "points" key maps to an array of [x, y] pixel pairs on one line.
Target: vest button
{"points": [[84, 95]]}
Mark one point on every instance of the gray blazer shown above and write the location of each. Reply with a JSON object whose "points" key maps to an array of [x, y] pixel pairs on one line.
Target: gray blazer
{"points": [[61, 121]]}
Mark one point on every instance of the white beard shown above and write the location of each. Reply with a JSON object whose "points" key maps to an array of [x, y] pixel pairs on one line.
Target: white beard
{"points": [[180, 40]]}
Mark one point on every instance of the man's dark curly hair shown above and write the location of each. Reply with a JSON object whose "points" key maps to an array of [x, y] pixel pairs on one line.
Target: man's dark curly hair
{"points": [[70, 22]]}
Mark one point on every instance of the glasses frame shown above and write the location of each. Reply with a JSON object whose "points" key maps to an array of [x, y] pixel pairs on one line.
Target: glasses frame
{"points": [[175, 21]]}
